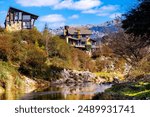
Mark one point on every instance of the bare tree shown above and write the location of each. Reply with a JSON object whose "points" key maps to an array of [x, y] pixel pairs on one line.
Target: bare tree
{"points": [[127, 46]]}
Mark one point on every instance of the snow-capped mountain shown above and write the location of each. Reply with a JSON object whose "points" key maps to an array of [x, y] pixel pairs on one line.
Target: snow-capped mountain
{"points": [[57, 31], [98, 31]]}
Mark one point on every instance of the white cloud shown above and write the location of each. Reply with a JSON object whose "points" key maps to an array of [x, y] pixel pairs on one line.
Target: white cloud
{"points": [[86, 4], [52, 18], [64, 4], [74, 16], [56, 25], [109, 8], [37, 3], [103, 14], [102, 11], [78, 5], [114, 15], [91, 11], [61, 4]]}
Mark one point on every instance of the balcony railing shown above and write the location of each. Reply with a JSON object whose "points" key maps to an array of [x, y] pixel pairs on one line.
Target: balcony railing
{"points": [[83, 46]]}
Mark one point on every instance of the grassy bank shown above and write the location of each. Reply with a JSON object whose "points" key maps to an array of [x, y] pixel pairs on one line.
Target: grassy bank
{"points": [[10, 79], [134, 90], [13, 84], [109, 76]]}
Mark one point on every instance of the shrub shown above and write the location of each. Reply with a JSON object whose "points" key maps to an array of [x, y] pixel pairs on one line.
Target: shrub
{"points": [[1, 29], [142, 68], [103, 64], [120, 64], [26, 50], [58, 48], [9, 77], [81, 60], [33, 61], [5, 47]]}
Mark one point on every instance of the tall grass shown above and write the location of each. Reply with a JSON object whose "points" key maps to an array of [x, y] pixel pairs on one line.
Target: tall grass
{"points": [[9, 77]]}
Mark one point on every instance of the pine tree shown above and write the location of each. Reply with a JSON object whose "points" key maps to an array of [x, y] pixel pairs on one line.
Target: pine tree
{"points": [[46, 35], [137, 21]]}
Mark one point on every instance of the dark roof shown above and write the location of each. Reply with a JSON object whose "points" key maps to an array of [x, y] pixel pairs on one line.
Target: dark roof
{"points": [[12, 8], [73, 30], [93, 40]]}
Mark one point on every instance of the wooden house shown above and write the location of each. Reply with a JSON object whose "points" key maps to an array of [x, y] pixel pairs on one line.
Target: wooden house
{"points": [[17, 20], [79, 37]]}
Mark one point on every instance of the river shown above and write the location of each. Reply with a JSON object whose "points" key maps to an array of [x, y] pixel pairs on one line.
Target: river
{"points": [[84, 91]]}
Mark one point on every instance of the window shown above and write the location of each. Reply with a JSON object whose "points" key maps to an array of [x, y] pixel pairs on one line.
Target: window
{"points": [[26, 17], [83, 35], [82, 43], [11, 16], [16, 16], [27, 25], [20, 15], [32, 22]]}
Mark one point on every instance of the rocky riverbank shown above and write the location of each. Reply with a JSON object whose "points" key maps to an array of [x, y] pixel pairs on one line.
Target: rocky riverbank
{"points": [[79, 77], [132, 89], [34, 84], [12, 81]]}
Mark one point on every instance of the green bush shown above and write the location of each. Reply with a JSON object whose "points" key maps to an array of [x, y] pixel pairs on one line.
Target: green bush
{"points": [[35, 54], [9, 76], [85, 61], [31, 36], [58, 48], [142, 68], [33, 62], [62, 55], [1, 29], [5, 46]]}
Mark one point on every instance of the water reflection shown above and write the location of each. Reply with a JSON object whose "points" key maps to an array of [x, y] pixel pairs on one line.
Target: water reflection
{"points": [[68, 92], [11, 95]]}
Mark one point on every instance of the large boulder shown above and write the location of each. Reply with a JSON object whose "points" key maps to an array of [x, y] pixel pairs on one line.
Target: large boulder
{"points": [[74, 76]]}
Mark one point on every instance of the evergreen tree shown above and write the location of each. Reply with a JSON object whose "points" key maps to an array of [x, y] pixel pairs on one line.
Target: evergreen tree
{"points": [[137, 21], [46, 35]]}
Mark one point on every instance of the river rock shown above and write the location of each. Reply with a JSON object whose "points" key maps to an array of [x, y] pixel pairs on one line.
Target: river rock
{"points": [[30, 85], [76, 77]]}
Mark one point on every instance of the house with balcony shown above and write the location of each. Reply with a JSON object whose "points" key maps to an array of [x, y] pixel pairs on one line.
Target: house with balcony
{"points": [[17, 19], [79, 37]]}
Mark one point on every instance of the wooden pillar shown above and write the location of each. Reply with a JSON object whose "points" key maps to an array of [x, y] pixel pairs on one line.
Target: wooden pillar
{"points": [[22, 21]]}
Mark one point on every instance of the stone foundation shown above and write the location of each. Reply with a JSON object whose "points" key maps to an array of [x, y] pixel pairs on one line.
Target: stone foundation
{"points": [[14, 26]]}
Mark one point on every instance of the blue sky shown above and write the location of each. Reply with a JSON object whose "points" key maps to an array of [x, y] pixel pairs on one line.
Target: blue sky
{"points": [[58, 13]]}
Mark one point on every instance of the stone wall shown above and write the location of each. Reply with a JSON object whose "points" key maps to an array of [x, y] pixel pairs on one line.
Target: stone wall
{"points": [[14, 26]]}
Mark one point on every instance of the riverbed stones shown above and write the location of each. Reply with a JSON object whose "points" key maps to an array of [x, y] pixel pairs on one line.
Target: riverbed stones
{"points": [[30, 85], [76, 77]]}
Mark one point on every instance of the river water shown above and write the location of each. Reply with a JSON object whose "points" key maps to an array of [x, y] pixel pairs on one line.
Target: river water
{"points": [[84, 91]]}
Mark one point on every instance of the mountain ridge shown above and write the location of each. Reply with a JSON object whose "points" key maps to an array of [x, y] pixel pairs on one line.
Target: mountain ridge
{"points": [[98, 30]]}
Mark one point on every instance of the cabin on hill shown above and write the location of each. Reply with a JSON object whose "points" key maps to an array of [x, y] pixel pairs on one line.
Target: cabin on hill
{"points": [[17, 20], [79, 37]]}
